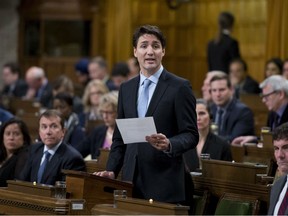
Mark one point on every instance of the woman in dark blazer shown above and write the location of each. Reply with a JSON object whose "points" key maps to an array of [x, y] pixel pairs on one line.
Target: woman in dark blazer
{"points": [[14, 142], [101, 136], [209, 143]]}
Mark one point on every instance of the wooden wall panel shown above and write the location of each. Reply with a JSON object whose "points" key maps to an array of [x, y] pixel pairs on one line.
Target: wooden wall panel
{"points": [[189, 28]]}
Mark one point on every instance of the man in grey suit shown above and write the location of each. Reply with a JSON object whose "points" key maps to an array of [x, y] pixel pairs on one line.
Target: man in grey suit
{"points": [[156, 167], [51, 155], [279, 192]]}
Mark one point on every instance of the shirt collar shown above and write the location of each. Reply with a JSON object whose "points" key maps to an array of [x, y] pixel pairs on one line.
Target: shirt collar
{"points": [[52, 150], [154, 78]]}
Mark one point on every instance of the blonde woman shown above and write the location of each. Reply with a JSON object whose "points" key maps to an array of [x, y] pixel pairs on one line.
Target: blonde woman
{"points": [[101, 136], [92, 94]]}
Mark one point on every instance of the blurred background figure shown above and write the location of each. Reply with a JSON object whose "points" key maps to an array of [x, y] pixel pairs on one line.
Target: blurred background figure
{"points": [[82, 73], [119, 74], [13, 85], [223, 48], [285, 69], [101, 136], [63, 102], [273, 67], [14, 142], [134, 68], [241, 80], [39, 88], [98, 69], [65, 84], [5, 116], [209, 143], [91, 98], [206, 95]]}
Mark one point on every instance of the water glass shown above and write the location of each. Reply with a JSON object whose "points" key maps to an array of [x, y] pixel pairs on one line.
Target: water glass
{"points": [[60, 190], [119, 194]]}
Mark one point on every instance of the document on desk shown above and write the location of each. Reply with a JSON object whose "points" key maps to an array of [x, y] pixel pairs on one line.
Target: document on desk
{"points": [[134, 130]]}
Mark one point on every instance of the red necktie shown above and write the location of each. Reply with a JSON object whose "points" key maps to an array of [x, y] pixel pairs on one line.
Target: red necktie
{"points": [[284, 204]]}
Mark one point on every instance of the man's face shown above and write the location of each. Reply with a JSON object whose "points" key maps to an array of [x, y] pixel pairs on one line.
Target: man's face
{"points": [[220, 92], [271, 98], [281, 154], [149, 53], [236, 72], [51, 131], [8, 77], [95, 71]]}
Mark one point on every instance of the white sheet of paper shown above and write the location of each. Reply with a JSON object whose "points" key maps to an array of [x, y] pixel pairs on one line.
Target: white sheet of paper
{"points": [[134, 130]]}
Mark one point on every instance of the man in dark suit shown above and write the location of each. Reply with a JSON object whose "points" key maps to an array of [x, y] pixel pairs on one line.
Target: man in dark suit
{"points": [[275, 97], [49, 157], [232, 117], [242, 82], [279, 193], [13, 85], [223, 48], [156, 167], [39, 89]]}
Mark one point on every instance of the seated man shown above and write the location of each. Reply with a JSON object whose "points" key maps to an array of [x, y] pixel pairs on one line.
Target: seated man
{"points": [[49, 157], [13, 85], [39, 88], [275, 97], [241, 80], [279, 193], [232, 117]]}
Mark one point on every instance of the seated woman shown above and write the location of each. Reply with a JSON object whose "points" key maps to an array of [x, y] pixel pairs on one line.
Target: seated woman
{"points": [[63, 102], [101, 136], [209, 143], [93, 92], [14, 142]]}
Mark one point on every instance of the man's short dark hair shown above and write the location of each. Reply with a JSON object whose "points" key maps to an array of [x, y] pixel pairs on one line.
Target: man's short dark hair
{"points": [[52, 113], [148, 29], [281, 132], [240, 61], [13, 66], [224, 77]]}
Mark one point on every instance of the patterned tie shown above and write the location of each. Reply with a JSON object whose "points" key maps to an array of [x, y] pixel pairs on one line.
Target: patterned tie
{"points": [[276, 121], [284, 204], [144, 98], [43, 166]]}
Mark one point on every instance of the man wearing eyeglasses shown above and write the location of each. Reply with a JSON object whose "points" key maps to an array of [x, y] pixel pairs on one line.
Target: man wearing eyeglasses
{"points": [[275, 97]]}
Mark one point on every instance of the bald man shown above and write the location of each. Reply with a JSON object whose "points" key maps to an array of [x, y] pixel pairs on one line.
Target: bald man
{"points": [[39, 88]]}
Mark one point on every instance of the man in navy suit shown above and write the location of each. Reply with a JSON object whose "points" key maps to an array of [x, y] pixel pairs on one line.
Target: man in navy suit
{"points": [[61, 155], [156, 167], [233, 117], [279, 193]]}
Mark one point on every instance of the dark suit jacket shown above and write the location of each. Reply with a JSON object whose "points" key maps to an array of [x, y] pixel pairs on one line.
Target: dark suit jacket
{"points": [[19, 90], [93, 142], [249, 86], [46, 96], [159, 175], [275, 193], [219, 55], [271, 118], [218, 149], [66, 157], [12, 168], [238, 120]]}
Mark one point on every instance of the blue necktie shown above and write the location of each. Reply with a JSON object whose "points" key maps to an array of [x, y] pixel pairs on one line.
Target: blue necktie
{"points": [[43, 166], [219, 123], [144, 98]]}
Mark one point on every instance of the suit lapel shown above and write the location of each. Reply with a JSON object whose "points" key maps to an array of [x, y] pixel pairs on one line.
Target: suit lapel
{"points": [[158, 93], [36, 164], [277, 192], [134, 95]]}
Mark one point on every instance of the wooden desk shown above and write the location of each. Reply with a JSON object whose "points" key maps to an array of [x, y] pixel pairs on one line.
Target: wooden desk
{"points": [[132, 206], [94, 189], [38, 202]]}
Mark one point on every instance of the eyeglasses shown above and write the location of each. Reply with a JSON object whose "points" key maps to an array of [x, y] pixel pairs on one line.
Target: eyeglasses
{"points": [[268, 94]]}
